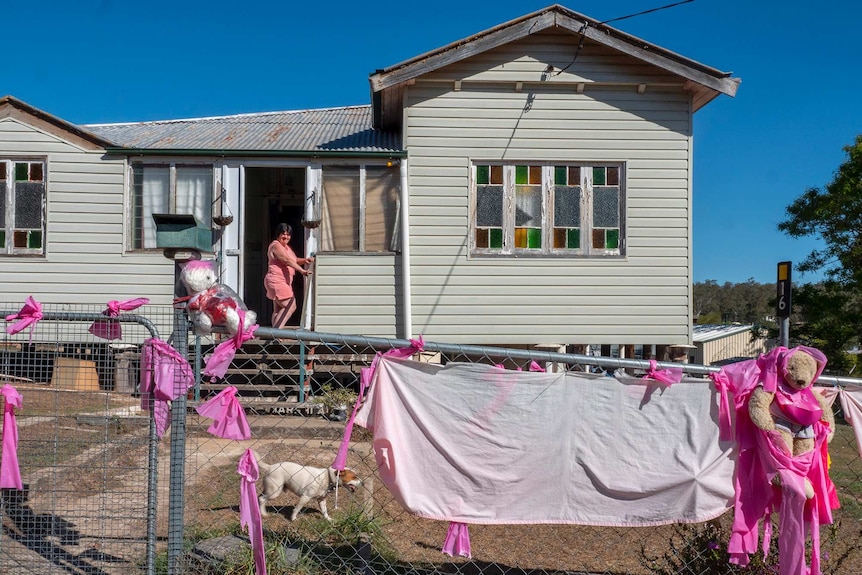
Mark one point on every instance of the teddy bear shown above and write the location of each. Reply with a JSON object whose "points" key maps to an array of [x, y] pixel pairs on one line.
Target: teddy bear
{"points": [[211, 303], [793, 408]]}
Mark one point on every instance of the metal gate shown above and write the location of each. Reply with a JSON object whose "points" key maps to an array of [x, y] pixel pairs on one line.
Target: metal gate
{"points": [[87, 451]]}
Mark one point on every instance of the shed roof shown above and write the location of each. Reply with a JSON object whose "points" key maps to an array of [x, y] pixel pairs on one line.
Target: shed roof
{"points": [[704, 81], [330, 131], [709, 332]]}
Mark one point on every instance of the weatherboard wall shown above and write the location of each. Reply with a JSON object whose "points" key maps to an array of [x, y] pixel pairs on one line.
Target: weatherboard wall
{"points": [[476, 110], [358, 294], [84, 261]]}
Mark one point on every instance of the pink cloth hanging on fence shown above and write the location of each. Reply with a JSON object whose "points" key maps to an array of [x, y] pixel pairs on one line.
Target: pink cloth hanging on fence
{"points": [[228, 416], [457, 541], [165, 376], [851, 404], [365, 376], [667, 376], [110, 328], [249, 510], [218, 363], [10, 473], [762, 455], [457, 443], [29, 315]]}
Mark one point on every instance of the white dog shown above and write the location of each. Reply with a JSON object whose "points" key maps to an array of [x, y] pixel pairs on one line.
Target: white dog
{"points": [[309, 483]]}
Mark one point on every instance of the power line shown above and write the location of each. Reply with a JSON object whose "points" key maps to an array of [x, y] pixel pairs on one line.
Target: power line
{"points": [[647, 11]]}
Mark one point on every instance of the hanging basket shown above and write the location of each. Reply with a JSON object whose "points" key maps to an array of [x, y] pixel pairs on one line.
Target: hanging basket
{"points": [[311, 224], [223, 221], [225, 218]]}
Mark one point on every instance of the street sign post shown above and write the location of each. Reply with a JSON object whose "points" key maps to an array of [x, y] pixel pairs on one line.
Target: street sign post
{"points": [[783, 303]]}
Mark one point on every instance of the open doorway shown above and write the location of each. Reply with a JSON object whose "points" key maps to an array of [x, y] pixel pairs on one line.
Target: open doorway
{"points": [[272, 196]]}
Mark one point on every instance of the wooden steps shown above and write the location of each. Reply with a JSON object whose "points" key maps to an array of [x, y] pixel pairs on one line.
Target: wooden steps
{"points": [[268, 374]]}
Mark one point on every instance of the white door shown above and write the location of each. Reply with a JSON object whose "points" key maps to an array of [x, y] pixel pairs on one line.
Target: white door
{"points": [[231, 244]]}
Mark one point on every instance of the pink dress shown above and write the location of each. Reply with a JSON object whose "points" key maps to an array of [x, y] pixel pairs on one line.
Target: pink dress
{"points": [[279, 276]]}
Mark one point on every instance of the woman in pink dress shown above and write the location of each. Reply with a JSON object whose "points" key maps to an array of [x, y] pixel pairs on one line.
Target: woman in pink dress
{"points": [[283, 265]]}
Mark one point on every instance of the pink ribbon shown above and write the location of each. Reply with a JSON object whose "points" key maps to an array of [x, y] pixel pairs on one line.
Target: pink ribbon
{"points": [[667, 376], [110, 328], [228, 416], [27, 317], [218, 363], [457, 540], [249, 511], [533, 367], [10, 473], [722, 384], [165, 376], [365, 376]]}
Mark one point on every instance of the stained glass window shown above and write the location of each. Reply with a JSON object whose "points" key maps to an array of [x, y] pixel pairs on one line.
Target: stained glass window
{"points": [[22, 196], [548, 209]]}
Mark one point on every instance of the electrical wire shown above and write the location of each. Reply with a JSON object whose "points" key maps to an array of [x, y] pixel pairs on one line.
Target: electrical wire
{"points": [[583, 31], [647, 11]]}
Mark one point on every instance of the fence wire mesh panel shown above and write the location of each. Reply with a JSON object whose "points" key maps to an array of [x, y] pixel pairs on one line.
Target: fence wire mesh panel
{"points": [[297, 391], [85, 447]]}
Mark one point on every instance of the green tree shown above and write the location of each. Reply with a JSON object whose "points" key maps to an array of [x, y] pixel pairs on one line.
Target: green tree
{"points": [[827, 313], [833, 214]]}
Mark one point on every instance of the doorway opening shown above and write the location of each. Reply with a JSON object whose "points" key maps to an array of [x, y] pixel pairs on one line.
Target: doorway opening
{"points": [[272, 196]]}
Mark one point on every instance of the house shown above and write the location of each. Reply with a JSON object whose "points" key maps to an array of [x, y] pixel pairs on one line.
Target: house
{"points": [[726, 343], [528, 185]]}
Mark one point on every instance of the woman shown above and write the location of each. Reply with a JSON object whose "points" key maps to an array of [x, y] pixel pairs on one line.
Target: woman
{"points": [[283, 265]]}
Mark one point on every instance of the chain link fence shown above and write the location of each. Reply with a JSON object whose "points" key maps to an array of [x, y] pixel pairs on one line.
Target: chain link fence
{"points": [[104, 495]]}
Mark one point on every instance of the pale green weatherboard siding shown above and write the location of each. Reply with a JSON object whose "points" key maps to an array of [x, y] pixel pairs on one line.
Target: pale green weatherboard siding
{"points": [[358, 294], [84, 261], [643, 298]]}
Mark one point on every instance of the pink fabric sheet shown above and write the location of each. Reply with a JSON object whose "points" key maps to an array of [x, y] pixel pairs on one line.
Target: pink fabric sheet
{"points": [[29, 315], [10, 473], [165, 376], [249, 511], [762, 456], [228, 415], [477, 444], [109, 328], [219, 362]]}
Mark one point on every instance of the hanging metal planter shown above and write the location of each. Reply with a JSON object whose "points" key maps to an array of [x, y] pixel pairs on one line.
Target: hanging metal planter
{"points": [[225, 218]]}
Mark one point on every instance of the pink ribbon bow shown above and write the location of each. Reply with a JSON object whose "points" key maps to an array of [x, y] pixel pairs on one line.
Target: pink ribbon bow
{"points": [[27, 317], [110, 328], [10, 473], [165, 376], [457, 540], [228, 416], [249, 511], [365, 377], [219, 361], [665, 376]]}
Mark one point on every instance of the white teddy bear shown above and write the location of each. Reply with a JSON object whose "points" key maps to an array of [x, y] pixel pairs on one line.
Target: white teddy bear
{"points": [[211, 303]]}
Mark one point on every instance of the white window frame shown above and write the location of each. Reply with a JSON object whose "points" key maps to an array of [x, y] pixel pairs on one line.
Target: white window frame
{"points": [[171, 165], [547, 248], [8, 225]]}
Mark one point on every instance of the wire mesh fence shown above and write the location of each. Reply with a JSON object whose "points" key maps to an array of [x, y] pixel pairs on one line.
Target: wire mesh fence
{"points": [[85, 447], [103, 494]]}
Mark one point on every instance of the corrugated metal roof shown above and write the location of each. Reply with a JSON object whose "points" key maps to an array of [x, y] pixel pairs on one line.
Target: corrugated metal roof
{"points": [[709, 332], [346, 129]]}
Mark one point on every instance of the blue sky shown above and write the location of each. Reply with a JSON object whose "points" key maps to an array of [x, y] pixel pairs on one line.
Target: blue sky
{"points": [[98, 61]]}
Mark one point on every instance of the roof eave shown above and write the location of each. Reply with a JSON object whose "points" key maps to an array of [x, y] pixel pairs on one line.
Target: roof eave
{"points": [[49, 120], [124, 151]]}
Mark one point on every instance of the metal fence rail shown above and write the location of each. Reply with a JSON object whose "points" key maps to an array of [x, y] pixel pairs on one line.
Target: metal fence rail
{"points": [[104, 495]]}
